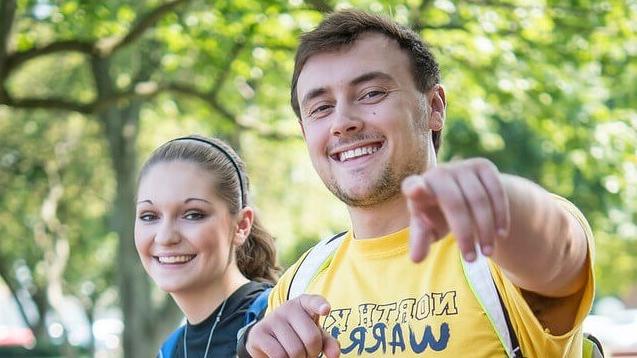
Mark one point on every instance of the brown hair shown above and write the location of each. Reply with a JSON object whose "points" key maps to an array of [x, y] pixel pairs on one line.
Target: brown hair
{"points": [[341, 29], [256, 258]]}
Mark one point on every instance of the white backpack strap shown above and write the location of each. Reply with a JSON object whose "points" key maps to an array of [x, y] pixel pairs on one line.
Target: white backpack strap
{"points": [[311, 264], [479, 277]]}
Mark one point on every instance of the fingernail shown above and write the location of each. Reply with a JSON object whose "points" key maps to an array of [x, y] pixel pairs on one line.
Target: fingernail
{"points": [[487, 250], [470, 256], [502, 233]]}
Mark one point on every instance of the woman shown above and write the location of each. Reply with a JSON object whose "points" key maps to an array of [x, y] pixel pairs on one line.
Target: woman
{"points": [[199, 240]]}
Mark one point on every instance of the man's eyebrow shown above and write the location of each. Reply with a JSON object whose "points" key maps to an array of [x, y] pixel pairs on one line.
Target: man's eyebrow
{"points": [[370, 76], [145, 201], [313, 94], [365, 77]]}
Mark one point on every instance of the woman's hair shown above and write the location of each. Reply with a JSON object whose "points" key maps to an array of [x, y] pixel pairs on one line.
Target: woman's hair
{"points": [[256, 258]]}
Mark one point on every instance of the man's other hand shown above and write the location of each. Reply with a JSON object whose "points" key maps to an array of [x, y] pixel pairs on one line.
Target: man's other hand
{"points": [[292, 330]]}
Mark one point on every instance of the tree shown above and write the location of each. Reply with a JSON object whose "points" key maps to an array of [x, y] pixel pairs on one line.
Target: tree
{"points": [[545, 90], [124, 70]]}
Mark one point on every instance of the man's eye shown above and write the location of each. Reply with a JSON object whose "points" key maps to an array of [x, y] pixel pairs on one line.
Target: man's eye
{"points": [[373, 94], [320, 109], [194, 215]]}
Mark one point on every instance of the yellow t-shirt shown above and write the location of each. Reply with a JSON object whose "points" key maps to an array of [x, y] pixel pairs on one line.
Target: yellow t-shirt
{"points": [[385, 305]]}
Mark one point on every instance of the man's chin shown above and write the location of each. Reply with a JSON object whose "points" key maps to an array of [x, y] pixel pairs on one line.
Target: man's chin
{"points": [[364, 198]]}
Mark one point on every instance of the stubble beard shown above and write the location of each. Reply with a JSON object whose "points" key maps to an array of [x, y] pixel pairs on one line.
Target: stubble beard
{"points": [[387, 186]]}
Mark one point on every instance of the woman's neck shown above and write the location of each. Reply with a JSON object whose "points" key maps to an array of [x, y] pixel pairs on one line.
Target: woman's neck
{"points": [[198, 304]]}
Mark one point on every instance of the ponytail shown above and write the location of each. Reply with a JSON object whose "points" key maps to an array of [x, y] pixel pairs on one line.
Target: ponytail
{"points": [[256, 258]]}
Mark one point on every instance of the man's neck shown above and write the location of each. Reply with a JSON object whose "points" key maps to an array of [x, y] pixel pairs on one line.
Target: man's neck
{"points": [[383, 219]]}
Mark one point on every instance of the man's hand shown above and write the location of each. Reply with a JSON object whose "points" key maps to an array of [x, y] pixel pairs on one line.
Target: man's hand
{"points": [[292, 330], [466, 197]]}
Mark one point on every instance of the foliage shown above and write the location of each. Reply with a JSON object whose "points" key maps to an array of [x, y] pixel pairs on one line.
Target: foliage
{"points": [[545, 89]]}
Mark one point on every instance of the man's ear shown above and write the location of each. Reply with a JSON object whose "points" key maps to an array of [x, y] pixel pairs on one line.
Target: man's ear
{"points": [[438, 105], [243, 226]]}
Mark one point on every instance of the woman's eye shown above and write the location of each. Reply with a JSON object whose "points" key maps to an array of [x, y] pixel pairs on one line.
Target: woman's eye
{"points": [[194, 215], [147, 217]]}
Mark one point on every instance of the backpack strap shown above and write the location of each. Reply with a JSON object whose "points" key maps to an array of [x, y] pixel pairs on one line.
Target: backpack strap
{"points": [[167, 348], [311, 263], [257, 307], [481, 282], [592, 347]]}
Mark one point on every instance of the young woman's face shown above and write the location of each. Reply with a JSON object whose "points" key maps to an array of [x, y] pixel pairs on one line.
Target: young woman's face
{"points": [[184, 232]]}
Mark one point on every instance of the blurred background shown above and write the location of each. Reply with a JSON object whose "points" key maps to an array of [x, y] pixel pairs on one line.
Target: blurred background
{"points": [[545, 89]]}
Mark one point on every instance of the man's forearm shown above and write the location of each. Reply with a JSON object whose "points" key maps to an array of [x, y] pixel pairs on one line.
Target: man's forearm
{"points": [[546, 249]]}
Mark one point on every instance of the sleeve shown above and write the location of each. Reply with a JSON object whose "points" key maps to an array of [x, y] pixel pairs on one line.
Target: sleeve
{"points": [[277, 296], [536, 340], [279, 293]]}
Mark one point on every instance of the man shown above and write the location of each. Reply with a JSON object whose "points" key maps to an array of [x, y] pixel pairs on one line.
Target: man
{"points": [[371, 109]]}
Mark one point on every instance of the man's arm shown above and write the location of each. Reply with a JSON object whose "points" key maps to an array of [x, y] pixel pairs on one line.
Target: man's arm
{"points": [[541, 247], [546, 249]]}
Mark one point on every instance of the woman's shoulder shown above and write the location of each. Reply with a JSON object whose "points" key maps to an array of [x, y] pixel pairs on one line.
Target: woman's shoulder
{"points": [[243, 297]]}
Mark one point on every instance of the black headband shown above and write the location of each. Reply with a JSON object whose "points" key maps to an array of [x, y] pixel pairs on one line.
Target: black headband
{"points": [[234, 163]]}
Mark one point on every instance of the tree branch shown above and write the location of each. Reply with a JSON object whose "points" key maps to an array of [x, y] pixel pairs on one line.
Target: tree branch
{"points": [[143, 24], [17, 58], [204, 96], [570, 9], [232, 55], [47, 103], [7, 15], [449, 26], [223, 111], [144, 90], [104, 47]]}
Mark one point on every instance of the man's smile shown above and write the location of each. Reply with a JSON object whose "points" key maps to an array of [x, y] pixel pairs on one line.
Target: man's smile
{"points": [[356, 151]]}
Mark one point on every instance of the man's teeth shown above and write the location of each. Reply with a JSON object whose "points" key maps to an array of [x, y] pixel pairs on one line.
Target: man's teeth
{"points": [[355, 153], [175, 259]]}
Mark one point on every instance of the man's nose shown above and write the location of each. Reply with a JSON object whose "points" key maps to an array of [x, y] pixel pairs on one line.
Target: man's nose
{"points": [[347, 120]]}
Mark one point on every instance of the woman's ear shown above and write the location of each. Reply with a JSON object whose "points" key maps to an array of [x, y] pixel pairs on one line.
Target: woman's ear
{"points": [[244, 225], [438, 105]]}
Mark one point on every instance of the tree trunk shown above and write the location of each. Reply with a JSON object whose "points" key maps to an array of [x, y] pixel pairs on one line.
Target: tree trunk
{"points": [[134, 287], [144, 324]]}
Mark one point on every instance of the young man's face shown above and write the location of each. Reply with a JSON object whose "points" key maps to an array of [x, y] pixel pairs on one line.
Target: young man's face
{"points": [[365, 123]]}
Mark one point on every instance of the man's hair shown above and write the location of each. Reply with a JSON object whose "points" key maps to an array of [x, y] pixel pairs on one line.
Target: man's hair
{"points": [[341, 30]]}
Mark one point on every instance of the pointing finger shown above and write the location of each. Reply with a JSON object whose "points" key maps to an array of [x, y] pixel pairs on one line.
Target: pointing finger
{"points": [[314, 305]]}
